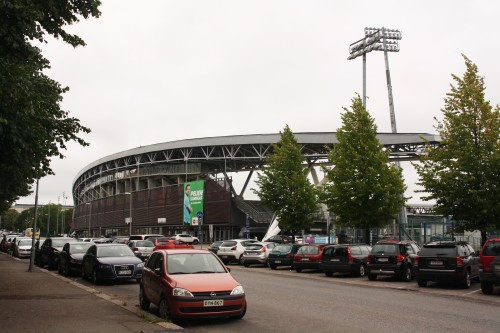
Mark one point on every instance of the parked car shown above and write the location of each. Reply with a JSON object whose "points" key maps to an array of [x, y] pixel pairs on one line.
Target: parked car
{"points": [[141, 248], [489, 265], [23, 247], [257, 253], [308, 257], [48, 253], [168, 243], [143, 236], [345, 258], [282, 255], [71, 256], [447, 261], [232, 250], [392, 257], [190, 284], [111, 261], [280, 239], [120, 239], [214, 247], [187, 238]]}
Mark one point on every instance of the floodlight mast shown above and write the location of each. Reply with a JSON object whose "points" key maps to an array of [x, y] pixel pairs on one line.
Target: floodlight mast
{"points": [[378, 39]]}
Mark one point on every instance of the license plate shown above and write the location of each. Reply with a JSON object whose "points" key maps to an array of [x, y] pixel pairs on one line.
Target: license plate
{"points": [[305, 259], [436, 262], [126, 272], [213, 302], [277, 261], [383, 259], [335, 260]]}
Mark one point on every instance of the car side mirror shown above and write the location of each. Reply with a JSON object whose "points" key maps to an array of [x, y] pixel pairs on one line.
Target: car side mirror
{"points": [[158, 271]]}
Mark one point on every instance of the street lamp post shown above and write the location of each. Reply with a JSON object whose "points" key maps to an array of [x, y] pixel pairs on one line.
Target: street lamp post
{"points": [[130, 217], [48, 220], [90, 216]]}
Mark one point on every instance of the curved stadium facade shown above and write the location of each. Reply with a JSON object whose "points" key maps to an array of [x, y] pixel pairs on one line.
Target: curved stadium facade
{"points": [[147, 183]]}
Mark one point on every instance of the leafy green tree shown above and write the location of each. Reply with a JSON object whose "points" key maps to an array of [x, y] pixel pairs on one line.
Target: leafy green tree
{"points": [[9, 219], [463, 174], [33, 127], [284, 186], [364, 190]]}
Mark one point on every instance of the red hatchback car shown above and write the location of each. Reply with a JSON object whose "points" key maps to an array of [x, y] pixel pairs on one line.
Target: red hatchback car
{"points": [[308, 257], [190, 283], [489, 265], [169, 243]]}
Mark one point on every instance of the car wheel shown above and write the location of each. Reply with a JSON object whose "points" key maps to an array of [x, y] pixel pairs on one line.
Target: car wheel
{"points": [[246, 264], [466, 283], [95, 279], [328, 273], [372, 277], [362, 270], [164, 308], [239, 260], [242, 314], [84, 275], [195, 242], [143, 300], [59, 269], [422, 283], [272, 266], [406, 276], [67, 270], [298, 270], [487, 288]]}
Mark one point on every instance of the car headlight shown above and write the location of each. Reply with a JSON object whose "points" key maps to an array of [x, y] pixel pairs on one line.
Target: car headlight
{"points": [[238, 290], [141, 265], [182, 292]]}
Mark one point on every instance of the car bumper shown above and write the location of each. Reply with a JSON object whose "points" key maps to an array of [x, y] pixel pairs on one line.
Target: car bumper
{"points": [[226, 257], [385, 269], [306, 265], [280, 261], [489, 277], [109, 274], [439, 275], [254, 260], [193, 307], [344, 268]]}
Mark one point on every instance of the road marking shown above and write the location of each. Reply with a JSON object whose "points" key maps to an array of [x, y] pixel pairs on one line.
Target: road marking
{"points": [[472, 292]]}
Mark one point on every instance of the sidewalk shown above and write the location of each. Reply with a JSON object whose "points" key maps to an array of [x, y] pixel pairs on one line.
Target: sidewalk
{"points": [[38, 301]]}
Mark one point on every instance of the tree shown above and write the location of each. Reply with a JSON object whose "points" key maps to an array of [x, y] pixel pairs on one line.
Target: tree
{"points": [[284, 186], [463, 174], [364, 190], [9, 219], [33, 127]]}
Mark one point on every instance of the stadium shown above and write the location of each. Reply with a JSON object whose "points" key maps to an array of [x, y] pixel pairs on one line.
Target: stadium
{"points": [[142, 190]]}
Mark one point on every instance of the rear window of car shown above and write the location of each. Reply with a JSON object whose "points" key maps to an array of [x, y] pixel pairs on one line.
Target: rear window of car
{"points": [[144, 244], [136, 237], [492, 249], [309, 250], [253, 247], [228, 244], [438, 251], [336, 251], [385, 248], [282, 248]]}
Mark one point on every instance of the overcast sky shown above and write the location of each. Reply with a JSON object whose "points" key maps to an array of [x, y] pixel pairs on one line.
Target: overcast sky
{"points": [[161, 71]]}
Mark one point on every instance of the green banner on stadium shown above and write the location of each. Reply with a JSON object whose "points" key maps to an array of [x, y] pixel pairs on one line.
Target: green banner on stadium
{"points": [[193, 202]]}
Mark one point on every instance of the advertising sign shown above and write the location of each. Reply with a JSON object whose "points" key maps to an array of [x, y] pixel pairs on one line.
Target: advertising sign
{"points": [[193, 203]]}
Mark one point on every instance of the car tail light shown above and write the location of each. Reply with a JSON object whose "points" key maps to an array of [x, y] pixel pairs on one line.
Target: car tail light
{"points": [[480, 263], [400, 258], [368, 259], [349, 256], [263, 249], [289, 255], [233, 248], [135, 249], [460, 262], [417, 259]]}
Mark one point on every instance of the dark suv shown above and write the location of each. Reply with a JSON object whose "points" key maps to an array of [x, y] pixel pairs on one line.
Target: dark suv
{"points": [[447, 261], [345, 258], [489, 265], [392, 258]]}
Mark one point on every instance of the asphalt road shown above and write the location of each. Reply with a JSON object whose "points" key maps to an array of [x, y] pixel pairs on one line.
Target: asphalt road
{"points": [[286, 301]]}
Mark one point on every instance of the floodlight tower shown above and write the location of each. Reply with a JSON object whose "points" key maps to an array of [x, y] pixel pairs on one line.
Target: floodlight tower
{"points": [[378, 39]]}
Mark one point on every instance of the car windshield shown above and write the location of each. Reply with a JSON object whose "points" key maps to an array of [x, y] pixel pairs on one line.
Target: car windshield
{"points": [[25, 242], [385, 248], [309, 250], [114, 251], [193, 263], [79, 248], [492, 249]]}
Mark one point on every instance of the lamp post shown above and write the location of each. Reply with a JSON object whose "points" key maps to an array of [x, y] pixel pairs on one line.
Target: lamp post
{"points": [[129, 219], [90, 216], [48, 220]]}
